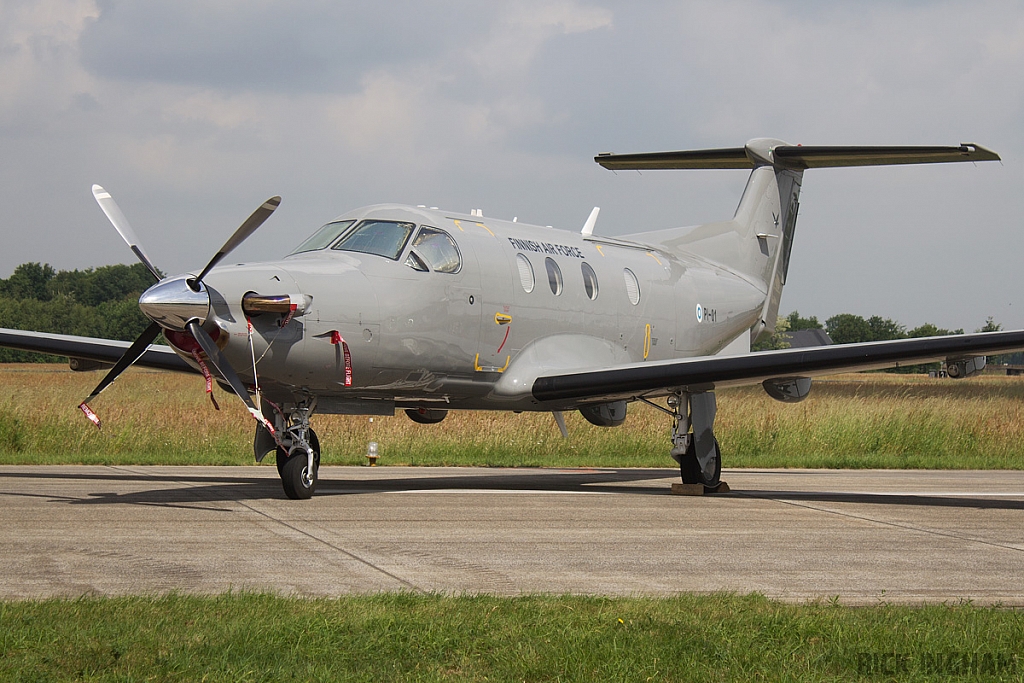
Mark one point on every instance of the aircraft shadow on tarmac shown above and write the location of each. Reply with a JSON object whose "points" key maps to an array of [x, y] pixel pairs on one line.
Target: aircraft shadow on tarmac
{"points": [[176, 490], [192, 490], [915, 499]]}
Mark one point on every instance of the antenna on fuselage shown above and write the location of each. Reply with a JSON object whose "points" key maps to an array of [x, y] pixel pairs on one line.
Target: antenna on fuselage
{"points": [[588, 227]]}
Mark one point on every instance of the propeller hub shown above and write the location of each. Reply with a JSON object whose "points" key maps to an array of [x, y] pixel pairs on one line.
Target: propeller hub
{"points": [[172, 303]]}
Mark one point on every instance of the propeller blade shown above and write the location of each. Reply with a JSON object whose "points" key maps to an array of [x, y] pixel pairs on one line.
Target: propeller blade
{"points": [[228, 373], [137, 348], [114, 215], [247, 228]]}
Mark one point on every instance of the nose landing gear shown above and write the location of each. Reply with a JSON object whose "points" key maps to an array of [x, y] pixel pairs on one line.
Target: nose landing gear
{"points": [[297, 451], [296, 465]]}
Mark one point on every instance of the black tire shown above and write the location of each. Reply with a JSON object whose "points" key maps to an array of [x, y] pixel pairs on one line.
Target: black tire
{"points": [[282, 455], [293, 477], [297, 485], [690, 470]]}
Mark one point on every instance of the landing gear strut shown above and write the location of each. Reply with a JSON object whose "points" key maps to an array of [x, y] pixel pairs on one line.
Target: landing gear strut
{"points": [[694, 445]]}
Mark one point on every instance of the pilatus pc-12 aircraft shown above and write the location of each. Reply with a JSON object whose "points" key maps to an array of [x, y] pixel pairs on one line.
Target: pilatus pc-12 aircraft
{"points": [[394, 307]]}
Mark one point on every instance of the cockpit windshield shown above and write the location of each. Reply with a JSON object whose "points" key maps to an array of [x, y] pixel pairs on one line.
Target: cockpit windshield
{"points": [[323, 237], [383, 238]]}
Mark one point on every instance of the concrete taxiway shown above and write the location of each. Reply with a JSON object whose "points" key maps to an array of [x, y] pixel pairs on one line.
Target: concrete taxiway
{"points": [[866, 536]]}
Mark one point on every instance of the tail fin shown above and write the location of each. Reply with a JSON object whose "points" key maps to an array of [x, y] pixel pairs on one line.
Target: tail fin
{"points": [[762, 229]]}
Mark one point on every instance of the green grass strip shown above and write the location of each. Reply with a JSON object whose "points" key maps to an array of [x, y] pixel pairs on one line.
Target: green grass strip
{"points": [[718, 637], [854, 421]]}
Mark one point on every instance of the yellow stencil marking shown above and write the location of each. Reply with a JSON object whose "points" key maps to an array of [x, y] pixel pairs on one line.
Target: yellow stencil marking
{"points": [[478, 368], [647, 341], [486, 228], [651, 254], [599, 249], [458, 224]]}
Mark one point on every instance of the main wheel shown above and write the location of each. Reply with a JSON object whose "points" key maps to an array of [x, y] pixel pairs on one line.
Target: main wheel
{"points": [[298, 482], [691, 471]]}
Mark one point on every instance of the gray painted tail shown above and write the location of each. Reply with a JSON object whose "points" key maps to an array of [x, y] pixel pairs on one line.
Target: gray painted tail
{"points": [[766, 222]]}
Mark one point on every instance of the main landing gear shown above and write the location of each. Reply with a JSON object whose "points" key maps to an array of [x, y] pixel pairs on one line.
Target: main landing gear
{"points": [[694, 445], [298, 453]]}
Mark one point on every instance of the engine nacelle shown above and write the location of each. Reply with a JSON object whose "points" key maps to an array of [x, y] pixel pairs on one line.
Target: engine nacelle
{"points": [[788, 389], [958, 368], [605, 414]]}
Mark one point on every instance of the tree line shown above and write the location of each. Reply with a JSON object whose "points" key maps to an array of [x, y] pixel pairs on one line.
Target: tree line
{"points": [[847, 328], [95, 302]]}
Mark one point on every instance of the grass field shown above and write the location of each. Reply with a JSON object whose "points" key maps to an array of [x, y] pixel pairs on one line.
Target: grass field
{"points": [[477, 638], [851, 421]]}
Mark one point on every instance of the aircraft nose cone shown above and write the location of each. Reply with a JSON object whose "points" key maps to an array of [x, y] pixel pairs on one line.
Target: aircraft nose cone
{"points": [[171, 303]]}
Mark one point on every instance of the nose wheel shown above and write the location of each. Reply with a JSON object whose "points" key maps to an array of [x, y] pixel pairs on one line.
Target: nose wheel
{"points": [[298, 481], [282, 454]]}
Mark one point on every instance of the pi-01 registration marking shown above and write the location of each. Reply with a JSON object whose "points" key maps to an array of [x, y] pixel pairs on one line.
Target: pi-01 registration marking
{"points": [[706, 315]]}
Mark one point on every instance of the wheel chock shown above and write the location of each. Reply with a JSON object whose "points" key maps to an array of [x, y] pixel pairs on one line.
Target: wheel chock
{"points": [[680, 489]]}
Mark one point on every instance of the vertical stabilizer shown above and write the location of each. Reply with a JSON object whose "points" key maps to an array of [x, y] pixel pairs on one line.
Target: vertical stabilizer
{"points": [[767, 215]]}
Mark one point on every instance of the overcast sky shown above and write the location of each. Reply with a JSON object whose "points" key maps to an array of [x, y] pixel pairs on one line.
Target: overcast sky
{"points": [[191, 113]]}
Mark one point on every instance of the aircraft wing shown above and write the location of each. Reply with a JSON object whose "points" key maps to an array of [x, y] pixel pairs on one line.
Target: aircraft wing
{"points": [[106, 351], [707, 372]]}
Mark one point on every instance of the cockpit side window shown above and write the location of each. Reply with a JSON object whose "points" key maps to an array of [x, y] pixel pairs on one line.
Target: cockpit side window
{"points": [[323, 237], [438, 249], [383, 238]]}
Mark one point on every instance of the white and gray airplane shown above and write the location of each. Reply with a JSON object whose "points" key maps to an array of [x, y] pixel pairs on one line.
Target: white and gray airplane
{"points": [[393, 307]]}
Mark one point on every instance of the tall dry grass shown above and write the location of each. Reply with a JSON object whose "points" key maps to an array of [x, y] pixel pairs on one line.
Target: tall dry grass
{"points": [[868, 420]]}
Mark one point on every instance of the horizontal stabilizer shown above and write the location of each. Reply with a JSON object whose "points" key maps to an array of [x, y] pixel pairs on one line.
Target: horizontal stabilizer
{"points": [[795, 157], [735, 157]]}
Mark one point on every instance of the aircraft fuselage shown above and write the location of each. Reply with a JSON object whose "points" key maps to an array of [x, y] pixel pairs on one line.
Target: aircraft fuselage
{"points": [[524, 300]]}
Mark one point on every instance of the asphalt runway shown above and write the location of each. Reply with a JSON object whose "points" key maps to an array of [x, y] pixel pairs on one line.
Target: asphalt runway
{"points": [[796, 535]]}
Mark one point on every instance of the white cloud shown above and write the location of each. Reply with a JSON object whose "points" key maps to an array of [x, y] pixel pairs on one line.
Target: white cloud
{"points": [[39, 67], [511, 46]]}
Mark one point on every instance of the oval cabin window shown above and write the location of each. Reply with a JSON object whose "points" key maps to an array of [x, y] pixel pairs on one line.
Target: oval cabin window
{"points": [[632, 286], [554, 276], [526, 277], [589, 281]]}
